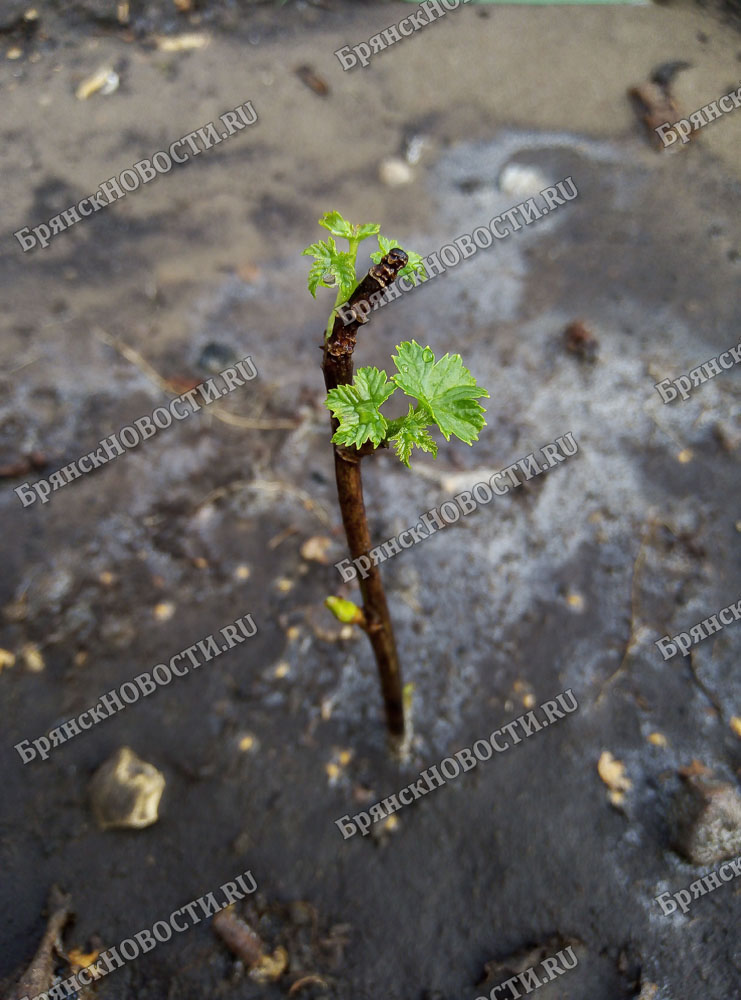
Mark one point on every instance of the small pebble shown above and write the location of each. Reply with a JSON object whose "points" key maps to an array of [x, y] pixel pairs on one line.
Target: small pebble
{"points": [[612, 772], [648, 991], [125, 792], [7, 659], [658, 739], [17, 611], [315, 549], [215, 357], [381, 831], [32, 658], [181, 43], [414, 147], [333, 771], [521, 181], [579, 340], [706, 821], [163, 611], [394, 172]]}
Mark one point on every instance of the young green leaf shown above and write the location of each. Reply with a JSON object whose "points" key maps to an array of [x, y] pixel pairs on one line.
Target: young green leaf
{"points": [[411, 431], [366, 230], [322, 266], [384, 246], [446, 388], [356, 407], [337, 226], [415, 266], [331, 263], [343, 269]]}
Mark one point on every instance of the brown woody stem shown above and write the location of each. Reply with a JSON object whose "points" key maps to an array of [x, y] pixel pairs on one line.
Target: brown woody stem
{"points": [[337, 366]]}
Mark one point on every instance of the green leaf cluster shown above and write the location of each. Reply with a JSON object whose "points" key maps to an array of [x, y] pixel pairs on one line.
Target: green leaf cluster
{"points": [[335, 268], [446, 393]]}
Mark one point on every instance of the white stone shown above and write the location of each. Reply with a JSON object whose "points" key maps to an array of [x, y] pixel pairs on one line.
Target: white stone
{"points": [[394, 172], [126, 792], [522, 181]]}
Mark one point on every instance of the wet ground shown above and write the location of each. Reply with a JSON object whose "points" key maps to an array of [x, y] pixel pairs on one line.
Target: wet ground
{"points": [[564, 583]]}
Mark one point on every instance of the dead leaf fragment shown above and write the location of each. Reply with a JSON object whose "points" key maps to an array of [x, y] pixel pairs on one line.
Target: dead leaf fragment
{"points": [[79, 959], [270, 967], [310, 980], [163, 611], [382, 831], [315, 549], [7, 659], [16, 611], [579, 340], [248, 272], [312, 80], [695, 768], [613, 774], [182, 43], [335, 768], [105, 80], [21, 466], [575, 601], [654, 106], [648, 991], [32, 658]]}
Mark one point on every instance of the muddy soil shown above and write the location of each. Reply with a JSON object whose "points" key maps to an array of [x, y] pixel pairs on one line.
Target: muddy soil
{"points": [[565, 583]]}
